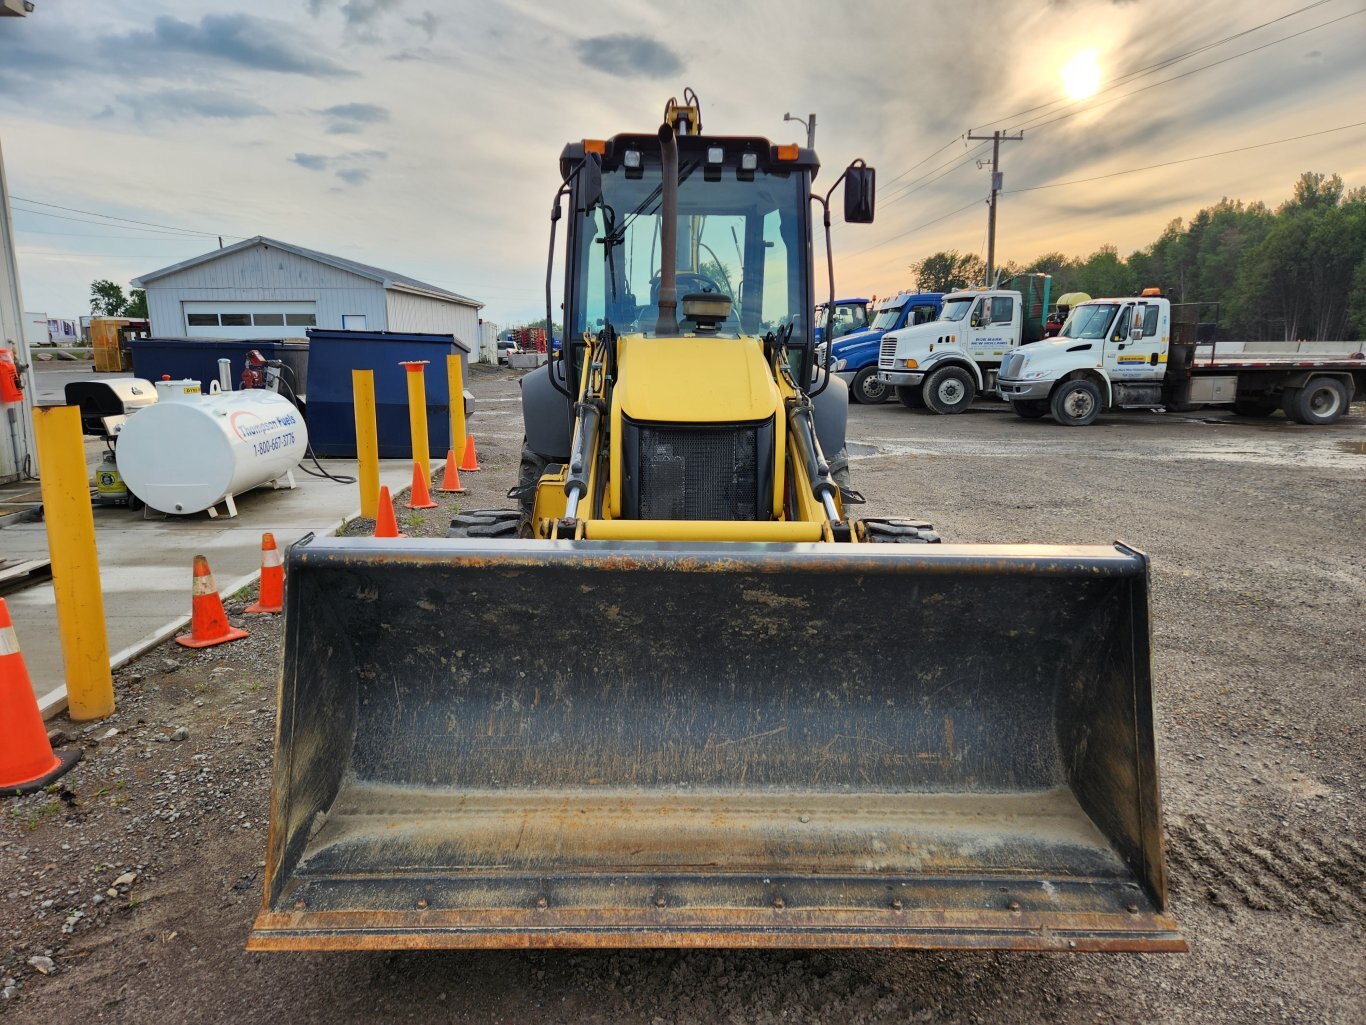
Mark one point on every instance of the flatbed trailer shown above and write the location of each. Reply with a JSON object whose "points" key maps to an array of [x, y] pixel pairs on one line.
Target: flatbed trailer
{"points": [[1131, 353]]}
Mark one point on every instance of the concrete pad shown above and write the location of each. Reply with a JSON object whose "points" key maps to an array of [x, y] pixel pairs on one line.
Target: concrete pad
{"points": [[146, 564]]}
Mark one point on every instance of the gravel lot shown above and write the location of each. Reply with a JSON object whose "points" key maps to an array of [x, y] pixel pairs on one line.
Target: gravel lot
{"points": [[128, 895]]}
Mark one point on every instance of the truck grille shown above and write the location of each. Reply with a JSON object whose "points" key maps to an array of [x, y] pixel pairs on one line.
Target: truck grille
{"points": [[886, 354], [1011, 366], [687, 473]]}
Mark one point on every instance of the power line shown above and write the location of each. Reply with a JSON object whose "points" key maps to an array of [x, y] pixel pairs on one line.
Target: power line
{"points": [[1123, 80], [926, 224], [924, 181], [112, 217], [1187, 160], [192, 236], [1167, 62], [1185, 74]]}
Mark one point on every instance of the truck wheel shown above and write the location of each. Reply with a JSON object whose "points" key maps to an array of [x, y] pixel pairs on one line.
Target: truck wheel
{"points": [[1321, 401], [1075, 403], [898, 532], [950, 390], [497, 523], [867, 388], [1263, 406], [910, 396], [1030, 409]]}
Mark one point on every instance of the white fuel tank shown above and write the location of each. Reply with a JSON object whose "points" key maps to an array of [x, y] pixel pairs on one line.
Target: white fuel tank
{"points": [[189, 451]]}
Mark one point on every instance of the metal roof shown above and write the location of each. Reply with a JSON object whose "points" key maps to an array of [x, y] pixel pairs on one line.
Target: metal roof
{"points": [[388, 278]]}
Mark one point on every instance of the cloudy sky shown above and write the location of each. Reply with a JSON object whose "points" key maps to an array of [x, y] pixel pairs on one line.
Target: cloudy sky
{"points": [[423, 136]]}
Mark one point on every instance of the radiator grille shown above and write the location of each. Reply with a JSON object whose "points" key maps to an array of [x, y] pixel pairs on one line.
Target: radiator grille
{"points": [[886, 353], [692, 474], [1011, 367]]}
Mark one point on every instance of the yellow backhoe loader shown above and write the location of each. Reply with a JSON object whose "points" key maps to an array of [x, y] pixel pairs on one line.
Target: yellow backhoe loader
{"points": [[689, 739]]}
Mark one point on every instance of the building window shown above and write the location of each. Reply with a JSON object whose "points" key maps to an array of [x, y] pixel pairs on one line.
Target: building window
{"points": [[301, 320], [268, 319], [201, 319], [235, 319], [353, 321]]}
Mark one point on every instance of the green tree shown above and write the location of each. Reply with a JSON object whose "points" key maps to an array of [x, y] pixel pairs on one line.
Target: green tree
{"points": [[948, 271], [137, 304], [107, 299]]}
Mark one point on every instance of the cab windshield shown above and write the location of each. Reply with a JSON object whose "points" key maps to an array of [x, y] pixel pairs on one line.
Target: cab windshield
{"points": [[955, 309], [1089, 321], [741, 239], [886, 319]]}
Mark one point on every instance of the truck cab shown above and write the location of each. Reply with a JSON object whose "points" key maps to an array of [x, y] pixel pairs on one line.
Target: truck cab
{"points": [[1110, 353], [944, 364], [849, 315], [854, 357]]}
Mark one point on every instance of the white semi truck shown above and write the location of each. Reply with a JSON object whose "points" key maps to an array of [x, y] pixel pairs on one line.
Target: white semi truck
{"points": [[1127, 353], [944, 364]]}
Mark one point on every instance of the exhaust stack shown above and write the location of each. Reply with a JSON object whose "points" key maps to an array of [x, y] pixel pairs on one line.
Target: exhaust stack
{"points": [[667, 321]]}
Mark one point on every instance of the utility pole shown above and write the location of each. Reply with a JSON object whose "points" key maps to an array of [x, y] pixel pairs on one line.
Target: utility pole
{"points": [[809, 122], [997, 178]]}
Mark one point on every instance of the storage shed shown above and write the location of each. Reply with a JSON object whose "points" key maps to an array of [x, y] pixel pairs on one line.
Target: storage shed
{"points": [[263, 288]]}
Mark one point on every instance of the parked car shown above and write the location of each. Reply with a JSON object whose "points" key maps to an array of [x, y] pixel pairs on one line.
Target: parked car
{"points": [[505, 346]]}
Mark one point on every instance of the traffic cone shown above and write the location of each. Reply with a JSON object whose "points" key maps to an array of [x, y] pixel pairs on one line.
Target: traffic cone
{"points": [[419, 497], [27, 761], [471, 459], [450, 480], [385, 523], [208, 622], [272, 594]]}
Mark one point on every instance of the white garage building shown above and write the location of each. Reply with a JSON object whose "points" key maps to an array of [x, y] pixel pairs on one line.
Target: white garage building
{"points": [[262, 288]]}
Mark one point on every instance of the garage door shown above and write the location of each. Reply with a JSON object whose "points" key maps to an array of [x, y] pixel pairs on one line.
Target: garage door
{"points": [[249, 319]]}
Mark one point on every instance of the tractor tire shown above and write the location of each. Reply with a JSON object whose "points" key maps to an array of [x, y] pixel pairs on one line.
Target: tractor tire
{"points": [[1322, 401], [487, 523], [1030, 409], [533, 465], [867, 389], [898, 532], [950, 390], [1075, 403], [910, 396]]}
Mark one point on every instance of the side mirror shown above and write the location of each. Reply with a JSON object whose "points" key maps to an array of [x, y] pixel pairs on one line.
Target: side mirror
{"points": [[860, 183], [590, 183]]}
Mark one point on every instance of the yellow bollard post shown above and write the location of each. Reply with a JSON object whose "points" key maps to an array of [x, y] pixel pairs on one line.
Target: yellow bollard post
{"points": [[417, 413], [456, 383], [75, 565], [367, 441]]}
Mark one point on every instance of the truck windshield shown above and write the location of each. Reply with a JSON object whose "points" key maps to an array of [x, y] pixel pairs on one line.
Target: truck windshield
{"points": [[1091, 320], [737, 238], [886, 319], [955, 309]]}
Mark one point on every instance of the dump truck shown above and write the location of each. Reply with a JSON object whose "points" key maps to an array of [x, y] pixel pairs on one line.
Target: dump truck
{"points": [[689, 742], [1144, 352]]}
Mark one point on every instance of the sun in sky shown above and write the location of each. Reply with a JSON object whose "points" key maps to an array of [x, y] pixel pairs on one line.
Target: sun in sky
{"points": [[1081, 75]]}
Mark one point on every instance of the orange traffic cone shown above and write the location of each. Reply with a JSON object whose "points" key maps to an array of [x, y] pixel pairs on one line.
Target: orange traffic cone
{"points": [[27, 761], [450, 480], [272, 594], [208, 622], [471, 459], [419, 497], [385, 523]]}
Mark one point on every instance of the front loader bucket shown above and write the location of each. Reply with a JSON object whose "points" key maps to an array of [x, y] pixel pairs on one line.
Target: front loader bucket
{"points": [[624, 744]]}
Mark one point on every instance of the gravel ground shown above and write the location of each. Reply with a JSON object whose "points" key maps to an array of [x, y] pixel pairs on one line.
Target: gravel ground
{"points": [[128, 892]]}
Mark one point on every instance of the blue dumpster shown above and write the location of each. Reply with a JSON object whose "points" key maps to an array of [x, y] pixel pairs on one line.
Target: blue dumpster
{"points": [[197, 358], [331, 415]]}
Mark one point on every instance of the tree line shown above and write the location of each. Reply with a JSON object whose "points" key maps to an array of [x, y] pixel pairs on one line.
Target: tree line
{"points": [[1294, 273]]}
